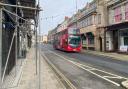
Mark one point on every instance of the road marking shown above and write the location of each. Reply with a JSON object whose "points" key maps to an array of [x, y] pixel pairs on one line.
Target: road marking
{"points": [[98, 75], [90, 70], [113, 77], [63, 76], [105, 72]]}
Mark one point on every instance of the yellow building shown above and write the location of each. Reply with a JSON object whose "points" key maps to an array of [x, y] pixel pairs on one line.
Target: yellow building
{"points": [[45, 39]]}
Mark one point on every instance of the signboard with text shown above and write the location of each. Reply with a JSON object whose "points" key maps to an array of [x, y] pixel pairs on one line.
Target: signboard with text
{"points": [[124, 48]]}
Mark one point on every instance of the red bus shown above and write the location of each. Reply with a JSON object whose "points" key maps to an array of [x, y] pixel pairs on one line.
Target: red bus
{"points": [[68, 40]]}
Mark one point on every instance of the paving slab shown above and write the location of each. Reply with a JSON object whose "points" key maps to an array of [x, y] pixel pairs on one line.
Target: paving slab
{"points": [[30, 80]]}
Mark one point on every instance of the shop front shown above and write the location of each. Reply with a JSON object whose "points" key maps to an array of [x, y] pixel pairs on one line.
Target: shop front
{"points": [[83, 39], [123, 40], [88, 37], [90, 40], [117, 38]]}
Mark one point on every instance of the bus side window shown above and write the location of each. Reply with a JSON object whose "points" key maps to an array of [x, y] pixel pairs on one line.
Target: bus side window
{"points": [[66, 42]]}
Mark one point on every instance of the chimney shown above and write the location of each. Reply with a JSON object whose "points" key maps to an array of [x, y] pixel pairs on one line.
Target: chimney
{"points": [[66, 17]]}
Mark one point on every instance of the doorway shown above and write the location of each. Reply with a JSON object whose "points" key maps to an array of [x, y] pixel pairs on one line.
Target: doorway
{"points": [[100, 40], [115, 40]]}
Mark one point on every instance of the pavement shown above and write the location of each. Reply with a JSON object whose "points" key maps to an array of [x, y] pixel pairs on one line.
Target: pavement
{"points": [[11, 79], [122, 57], [30, 80]]}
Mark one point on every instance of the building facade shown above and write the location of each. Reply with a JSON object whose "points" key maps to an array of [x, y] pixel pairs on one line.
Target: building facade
{"points": [[63, 25], [51, 35], [117, 29], [45, 39], [102, 24], [57, 29], [91, 21]]}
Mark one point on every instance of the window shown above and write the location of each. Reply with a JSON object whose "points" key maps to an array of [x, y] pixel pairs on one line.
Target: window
{"points": [[85, 22], [90, 20], [126, 11], [73, 31], [91, 40], [118, 15], [94, 22], [82, 23], [125, 40], [99, 18]]}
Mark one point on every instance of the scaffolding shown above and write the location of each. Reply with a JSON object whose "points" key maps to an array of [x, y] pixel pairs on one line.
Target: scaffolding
{"points": [[16, 33]]}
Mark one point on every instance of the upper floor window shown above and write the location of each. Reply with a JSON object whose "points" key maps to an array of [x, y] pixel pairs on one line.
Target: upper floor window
{"points": [[118, 14], [91, 20], [94, 21], [126, 11], [85, 22], [99, 18]]}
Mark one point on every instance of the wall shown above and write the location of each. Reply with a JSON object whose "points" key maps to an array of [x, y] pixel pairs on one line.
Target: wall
{"points": [[109, 41]]}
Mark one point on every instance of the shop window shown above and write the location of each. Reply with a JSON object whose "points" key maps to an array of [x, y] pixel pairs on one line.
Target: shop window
{"points": [[126, 11], [91, 40], [118, 14], [125, 40]]}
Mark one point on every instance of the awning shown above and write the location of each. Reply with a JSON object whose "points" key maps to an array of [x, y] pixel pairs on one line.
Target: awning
{"points": [[90, 34], [118, 26], [88, 29]]}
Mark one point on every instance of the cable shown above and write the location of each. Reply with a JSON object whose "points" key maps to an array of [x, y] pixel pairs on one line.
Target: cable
{"points": [[55, 16]]}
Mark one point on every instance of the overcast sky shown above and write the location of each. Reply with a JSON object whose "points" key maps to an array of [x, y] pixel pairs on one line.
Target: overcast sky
{"points": [[54, 12]]}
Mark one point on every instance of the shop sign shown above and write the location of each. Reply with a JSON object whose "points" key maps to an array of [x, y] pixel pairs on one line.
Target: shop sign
{"points": [[124, 48]]}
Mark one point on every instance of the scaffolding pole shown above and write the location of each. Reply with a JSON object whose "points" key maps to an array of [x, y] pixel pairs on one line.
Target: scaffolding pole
{"points": [[16, 41], [0, 47], [37, 9], [14, 36], [15, 15], [36, 49], [18, 6], [3, 76], [39, 55], [39, 46]]}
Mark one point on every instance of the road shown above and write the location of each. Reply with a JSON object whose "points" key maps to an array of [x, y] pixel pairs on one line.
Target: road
{"points": [[86, 71]]}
